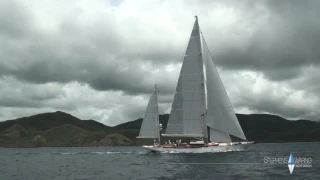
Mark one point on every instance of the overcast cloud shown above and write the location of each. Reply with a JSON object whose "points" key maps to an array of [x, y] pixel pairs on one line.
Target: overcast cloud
{"points": [[100, 59]]}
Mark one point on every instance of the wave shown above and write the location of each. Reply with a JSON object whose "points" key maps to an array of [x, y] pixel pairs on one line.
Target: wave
{"points": [[195, 152], [96, 153], [69, 153], [118, 152]]}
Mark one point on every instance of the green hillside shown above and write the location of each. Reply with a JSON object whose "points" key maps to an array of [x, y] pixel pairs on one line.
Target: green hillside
{"points": [[59, 129]]}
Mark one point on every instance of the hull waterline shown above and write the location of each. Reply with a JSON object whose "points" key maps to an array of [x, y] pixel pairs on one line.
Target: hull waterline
{"points": [[210, 149]]}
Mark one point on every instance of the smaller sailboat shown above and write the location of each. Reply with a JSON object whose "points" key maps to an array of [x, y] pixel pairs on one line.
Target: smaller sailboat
{"points": [[150, 127]]}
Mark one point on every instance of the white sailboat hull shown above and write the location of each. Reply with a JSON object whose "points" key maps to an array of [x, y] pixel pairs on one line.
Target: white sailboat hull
{"points": [[210, 149]]}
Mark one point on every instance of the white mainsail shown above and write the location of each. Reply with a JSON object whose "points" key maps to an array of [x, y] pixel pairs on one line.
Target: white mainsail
{"points": [[186, 117], [220, 114], [150, 124]]}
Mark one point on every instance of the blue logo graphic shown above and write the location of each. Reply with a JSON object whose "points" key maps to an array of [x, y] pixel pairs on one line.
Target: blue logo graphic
{"points": [[291, 163]]}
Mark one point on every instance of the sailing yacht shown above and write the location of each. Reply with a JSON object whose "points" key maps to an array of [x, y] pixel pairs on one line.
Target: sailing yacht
{"points": [[150, 127], [201, 109]]}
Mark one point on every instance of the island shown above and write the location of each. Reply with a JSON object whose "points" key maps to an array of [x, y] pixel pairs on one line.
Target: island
{"points": [[60, 129]]}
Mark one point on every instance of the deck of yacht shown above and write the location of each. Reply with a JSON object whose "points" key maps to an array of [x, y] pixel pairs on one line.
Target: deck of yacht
{"points": [[188, 145], [199, 145]]}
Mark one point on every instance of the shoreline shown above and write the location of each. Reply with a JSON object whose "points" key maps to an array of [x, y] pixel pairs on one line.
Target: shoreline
{"points": [[137, 145]]}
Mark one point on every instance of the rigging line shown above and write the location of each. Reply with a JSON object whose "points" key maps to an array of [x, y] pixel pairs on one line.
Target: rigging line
{"points": [[157, 115], [205, 56], [153, 98], [154, 111]]}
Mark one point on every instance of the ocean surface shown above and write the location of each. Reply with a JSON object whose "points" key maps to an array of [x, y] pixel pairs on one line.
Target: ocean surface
{"points": [[136, 163]]}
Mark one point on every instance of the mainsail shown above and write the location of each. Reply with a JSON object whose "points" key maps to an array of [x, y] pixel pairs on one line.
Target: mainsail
{"points": [[220, 113], [186, 117], [150, 124]]}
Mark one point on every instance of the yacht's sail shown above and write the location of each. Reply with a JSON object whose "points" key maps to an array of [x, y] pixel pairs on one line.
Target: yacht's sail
{"points": [[150, 124], [186, 117], [220, 113], [218, 136]]}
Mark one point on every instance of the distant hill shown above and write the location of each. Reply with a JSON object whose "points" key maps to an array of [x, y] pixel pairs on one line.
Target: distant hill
{"points": [[260, 128], [42, 122], [57, 129], [136, 124], [271, 128], [61, 129]]}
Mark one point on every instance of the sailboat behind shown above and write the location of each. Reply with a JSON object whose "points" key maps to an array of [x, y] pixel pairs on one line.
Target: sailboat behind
{"points": [[150, 127]]}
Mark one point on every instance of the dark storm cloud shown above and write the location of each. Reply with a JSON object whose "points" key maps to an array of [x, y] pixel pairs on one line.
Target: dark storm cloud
{"points": [[102, 57], [16, 94], [295, 98], [19, 102], [118, 50], [270, 104], [308, 81], [14, 19], [97, 56], [288, 41], [100, 76]]}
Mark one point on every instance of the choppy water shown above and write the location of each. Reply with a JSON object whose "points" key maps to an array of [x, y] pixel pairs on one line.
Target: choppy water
{"points": [[136, 163]]}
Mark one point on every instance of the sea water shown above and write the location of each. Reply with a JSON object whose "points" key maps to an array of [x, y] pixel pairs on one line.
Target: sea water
{"points": [[133, 162]]}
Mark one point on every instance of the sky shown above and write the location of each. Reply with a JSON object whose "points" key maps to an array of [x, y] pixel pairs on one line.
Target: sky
{"points": [[100, 59]]}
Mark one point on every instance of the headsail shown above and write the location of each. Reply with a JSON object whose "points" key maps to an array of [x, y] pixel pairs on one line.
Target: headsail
{"points": [[218, 136], [150, 123], [220, 113], [186, 117]]}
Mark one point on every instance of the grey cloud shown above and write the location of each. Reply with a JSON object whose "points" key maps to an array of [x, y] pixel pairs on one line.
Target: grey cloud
{"points": [[277, 38], [97, 56], [16, 94], [14, 19], [269, 104], [19, 102], [117, 117], [286, 41], [290, 99], [308, 81]]}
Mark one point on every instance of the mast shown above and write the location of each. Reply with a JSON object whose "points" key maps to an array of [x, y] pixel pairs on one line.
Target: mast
{"points": [[157, 112], [205, 133]]}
